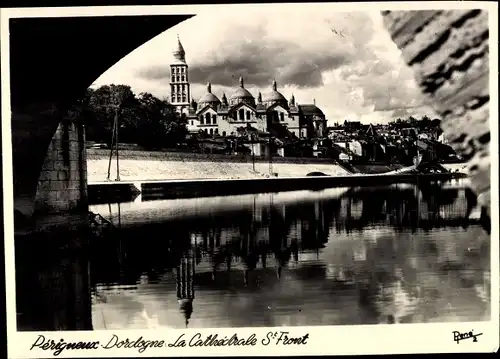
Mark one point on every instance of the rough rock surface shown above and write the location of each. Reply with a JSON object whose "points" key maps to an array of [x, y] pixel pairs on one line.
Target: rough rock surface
{"points": [[448, 52]]}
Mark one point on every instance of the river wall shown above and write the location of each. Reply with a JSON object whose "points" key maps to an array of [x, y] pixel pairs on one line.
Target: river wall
{"points": [[149, 165], [153, 165]]}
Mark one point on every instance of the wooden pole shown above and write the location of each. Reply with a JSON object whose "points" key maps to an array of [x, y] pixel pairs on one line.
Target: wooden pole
{"points": [[111, 148], [117, 118], [253, 152]]}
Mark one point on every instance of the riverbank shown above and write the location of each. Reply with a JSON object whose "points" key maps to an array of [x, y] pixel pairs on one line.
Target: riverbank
{"points": [[154, 166], [143, 166]]}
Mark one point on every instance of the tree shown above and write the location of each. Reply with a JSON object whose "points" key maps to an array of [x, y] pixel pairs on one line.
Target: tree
{"points": [[161, 126], [144, 120], [105, 102]]}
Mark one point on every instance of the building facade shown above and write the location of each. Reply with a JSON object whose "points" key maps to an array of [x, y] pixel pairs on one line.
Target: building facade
{"points": [[180, 92], [269, 113]]}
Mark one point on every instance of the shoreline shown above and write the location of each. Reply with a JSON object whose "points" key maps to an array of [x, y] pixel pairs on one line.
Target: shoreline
{"points": [[126, 191], [168, 166]]}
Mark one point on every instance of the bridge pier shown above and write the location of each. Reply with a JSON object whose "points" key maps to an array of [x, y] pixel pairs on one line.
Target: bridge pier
{"points": [[51, 172], [62, 185], [51, 227]]}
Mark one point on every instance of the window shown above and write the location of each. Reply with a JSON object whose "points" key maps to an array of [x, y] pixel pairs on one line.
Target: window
{"points": [[214, 119], [173, 98], [184, 98], [192, 122], [248, 115], [178, 78], [206, 132], [211, 131], [173, 78], [282, 117], [216, 131], [207, 118], [201, 120], [242, 115], [224, 133], [183, 78]]}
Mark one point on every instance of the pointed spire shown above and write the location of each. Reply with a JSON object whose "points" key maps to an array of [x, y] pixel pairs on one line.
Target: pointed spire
{"points": [[186, 307], [242, 84], [292, 100], [314, 101], [259, 97], [224, 99], [209, 87], [275, 87], [179, 53]]}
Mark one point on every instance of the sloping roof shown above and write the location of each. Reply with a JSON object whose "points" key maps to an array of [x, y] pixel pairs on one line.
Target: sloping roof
{"points": [[274, 105], [274, 96], [241, 92], [209, 98], [310, 110], [179, 53], [206, 107], [241, 104]]}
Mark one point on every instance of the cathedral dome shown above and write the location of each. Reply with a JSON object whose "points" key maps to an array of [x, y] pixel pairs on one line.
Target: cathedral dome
{"points": [[274, 95], [241, 95], [209, 98]]}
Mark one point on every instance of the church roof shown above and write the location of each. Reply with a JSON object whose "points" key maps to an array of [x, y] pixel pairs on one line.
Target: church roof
{"points": [[179, 53], [274, 95], [241, 92], [209, 97], [310, 110]]}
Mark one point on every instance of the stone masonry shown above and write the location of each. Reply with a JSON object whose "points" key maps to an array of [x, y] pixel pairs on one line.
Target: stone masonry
{"points": [[449, 54], [62, 185]]}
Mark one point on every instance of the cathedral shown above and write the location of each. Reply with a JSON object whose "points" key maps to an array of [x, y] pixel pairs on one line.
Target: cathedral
{"points": [[226, 116]]}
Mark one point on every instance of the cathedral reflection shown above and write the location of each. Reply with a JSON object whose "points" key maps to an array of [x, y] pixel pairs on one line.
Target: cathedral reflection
{"points": [[185, 272], [277, 240]]}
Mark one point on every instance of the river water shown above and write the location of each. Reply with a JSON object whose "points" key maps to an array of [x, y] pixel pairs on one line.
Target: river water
{"points": [[393, 254], [341, 256]]}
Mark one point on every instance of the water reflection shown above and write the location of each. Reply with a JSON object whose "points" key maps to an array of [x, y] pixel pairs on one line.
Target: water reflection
{"points": [[395, 254]]}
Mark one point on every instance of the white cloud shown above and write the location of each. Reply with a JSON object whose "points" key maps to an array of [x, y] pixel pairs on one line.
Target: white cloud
{"points": [[346, 61]]}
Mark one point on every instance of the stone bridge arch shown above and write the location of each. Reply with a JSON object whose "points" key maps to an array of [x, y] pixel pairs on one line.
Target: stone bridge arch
{"points": [[52, 62], [448, 52]]}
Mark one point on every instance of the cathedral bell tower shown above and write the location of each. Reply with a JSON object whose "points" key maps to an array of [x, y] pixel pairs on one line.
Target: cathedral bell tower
{"points": [[180, 93], [184, 281]]}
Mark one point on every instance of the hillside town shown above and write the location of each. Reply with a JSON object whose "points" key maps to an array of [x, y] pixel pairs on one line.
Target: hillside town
{"points": [[271, 125], [262, 127]]}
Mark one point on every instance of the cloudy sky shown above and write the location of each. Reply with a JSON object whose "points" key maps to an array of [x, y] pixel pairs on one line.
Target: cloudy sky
{"points": [[345, 61]]}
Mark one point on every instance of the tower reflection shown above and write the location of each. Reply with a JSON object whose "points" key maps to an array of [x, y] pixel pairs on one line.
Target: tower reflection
{"points": [[185, 272], [375, 254]]}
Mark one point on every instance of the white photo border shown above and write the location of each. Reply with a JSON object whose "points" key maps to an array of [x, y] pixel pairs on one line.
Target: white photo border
{"points": [[338, 340]]}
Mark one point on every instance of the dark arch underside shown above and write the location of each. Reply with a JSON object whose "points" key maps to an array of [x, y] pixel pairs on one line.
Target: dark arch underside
{"points": [[53, 61]]}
